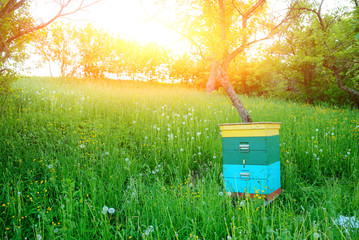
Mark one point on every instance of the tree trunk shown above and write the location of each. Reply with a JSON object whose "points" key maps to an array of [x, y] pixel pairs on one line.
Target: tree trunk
{"points": [[50, 69], [210, 86], [223, 78]]}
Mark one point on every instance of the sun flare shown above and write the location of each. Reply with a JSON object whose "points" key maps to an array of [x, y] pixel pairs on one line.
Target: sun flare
{"points": [[132, 20]]}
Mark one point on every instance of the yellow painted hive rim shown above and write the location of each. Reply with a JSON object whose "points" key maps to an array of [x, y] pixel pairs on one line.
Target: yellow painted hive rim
{"points": [[257, 129]]}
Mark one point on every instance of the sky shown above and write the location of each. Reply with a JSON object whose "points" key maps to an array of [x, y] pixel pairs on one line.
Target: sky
{"points": [[131, 19]]}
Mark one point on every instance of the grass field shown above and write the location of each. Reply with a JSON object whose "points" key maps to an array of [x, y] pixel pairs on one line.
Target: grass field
{"points": [[135, 161]]}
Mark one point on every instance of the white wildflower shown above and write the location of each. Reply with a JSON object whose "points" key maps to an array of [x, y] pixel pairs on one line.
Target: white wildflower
{"points": [[111, 210], [316, 235], [220, 194], [104, 209]]}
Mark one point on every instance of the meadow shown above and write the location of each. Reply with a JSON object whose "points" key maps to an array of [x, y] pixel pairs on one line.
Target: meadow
{"points": [[117, 160]]}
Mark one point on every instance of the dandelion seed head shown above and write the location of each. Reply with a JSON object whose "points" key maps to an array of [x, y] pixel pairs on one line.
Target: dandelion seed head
{"points": [[104, 209], [111, 210]]}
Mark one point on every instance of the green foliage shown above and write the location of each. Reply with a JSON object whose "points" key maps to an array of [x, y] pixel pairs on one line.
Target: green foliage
{"points": [[154, 155], [94, 54], [304, 58], [12, 52]]}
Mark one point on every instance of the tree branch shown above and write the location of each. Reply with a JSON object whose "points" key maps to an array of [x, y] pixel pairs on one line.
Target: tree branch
{"points": [[60, 13], [10, 7], [244, 45], [340, 84]]}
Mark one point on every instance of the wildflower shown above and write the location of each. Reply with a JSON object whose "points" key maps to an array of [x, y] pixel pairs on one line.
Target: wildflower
{"points": [[220, 193], [126, 159], [229, 238], [181, 149], [199, 133], [134, 122], [104, 209], [19, 193], [153, 172], [56, 230], [38, 236], [107, 153], [146, 137], [317, 130], [82, 146], [242, 203], [111, 211], [50, 166], [229, 194], [316, 235], [214, 157], [199, 153]]}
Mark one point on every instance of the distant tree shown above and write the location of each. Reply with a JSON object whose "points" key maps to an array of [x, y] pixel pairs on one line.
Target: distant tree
{"points": [[57, 44], [96, 52], [16, 26]]}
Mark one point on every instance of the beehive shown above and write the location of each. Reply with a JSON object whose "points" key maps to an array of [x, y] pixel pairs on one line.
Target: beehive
{"points": [[251, 159]]}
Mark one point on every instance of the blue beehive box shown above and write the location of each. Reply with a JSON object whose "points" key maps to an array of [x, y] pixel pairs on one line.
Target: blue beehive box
{"points": [[251, 159]]}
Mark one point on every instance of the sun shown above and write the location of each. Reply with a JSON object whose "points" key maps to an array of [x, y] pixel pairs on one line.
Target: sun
{"points": [[137, 20]]}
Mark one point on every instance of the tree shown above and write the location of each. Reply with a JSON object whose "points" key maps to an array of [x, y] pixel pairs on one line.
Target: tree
{"points": [[319, 53], [222, 30], [57, 44], [16, 26], [96, 51]]}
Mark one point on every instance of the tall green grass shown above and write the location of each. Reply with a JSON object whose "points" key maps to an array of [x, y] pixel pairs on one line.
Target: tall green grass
{"points": [[69, 149]]}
